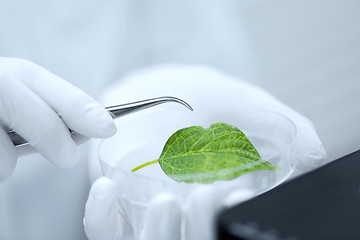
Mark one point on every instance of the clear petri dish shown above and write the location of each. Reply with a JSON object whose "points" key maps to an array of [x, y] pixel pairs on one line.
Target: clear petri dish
{"points": [[139, 141]]}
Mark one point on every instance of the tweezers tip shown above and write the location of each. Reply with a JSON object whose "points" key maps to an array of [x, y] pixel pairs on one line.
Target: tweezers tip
{"points": [[182, 102]]}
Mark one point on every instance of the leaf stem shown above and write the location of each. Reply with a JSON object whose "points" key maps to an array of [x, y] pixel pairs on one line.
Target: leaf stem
{"points": [[144, 165]]}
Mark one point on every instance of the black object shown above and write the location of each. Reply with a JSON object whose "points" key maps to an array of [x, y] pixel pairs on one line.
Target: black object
{"points": [[323, 204]]}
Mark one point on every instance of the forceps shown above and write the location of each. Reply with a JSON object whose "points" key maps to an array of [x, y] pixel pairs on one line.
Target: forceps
{"points": [[115, 112]]}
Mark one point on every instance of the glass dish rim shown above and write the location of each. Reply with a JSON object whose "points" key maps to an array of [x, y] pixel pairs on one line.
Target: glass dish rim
{"points": [[191, 185]]}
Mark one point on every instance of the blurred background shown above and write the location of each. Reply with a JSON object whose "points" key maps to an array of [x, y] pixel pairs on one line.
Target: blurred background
{"points": [[306, 53]]}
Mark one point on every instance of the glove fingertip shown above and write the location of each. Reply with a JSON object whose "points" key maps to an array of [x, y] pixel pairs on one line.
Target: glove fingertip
{"points": [[102, 220], [103, 188], [238, 196], [310, 157]]}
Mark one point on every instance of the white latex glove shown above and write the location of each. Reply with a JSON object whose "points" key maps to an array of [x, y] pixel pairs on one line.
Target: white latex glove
{"points": [[41, 106], [165, 217], [215, 97]]}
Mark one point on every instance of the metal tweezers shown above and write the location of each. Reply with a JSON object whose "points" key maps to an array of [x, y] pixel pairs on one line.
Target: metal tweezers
{"points": [[115, 112]]}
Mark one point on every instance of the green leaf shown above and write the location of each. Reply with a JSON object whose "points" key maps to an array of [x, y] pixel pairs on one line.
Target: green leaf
{"points": [[197, 154]]}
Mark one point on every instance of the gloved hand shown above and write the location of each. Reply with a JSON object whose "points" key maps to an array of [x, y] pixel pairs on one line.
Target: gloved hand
{"points": [[214, 96], [164, 218], [40, 106]]}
